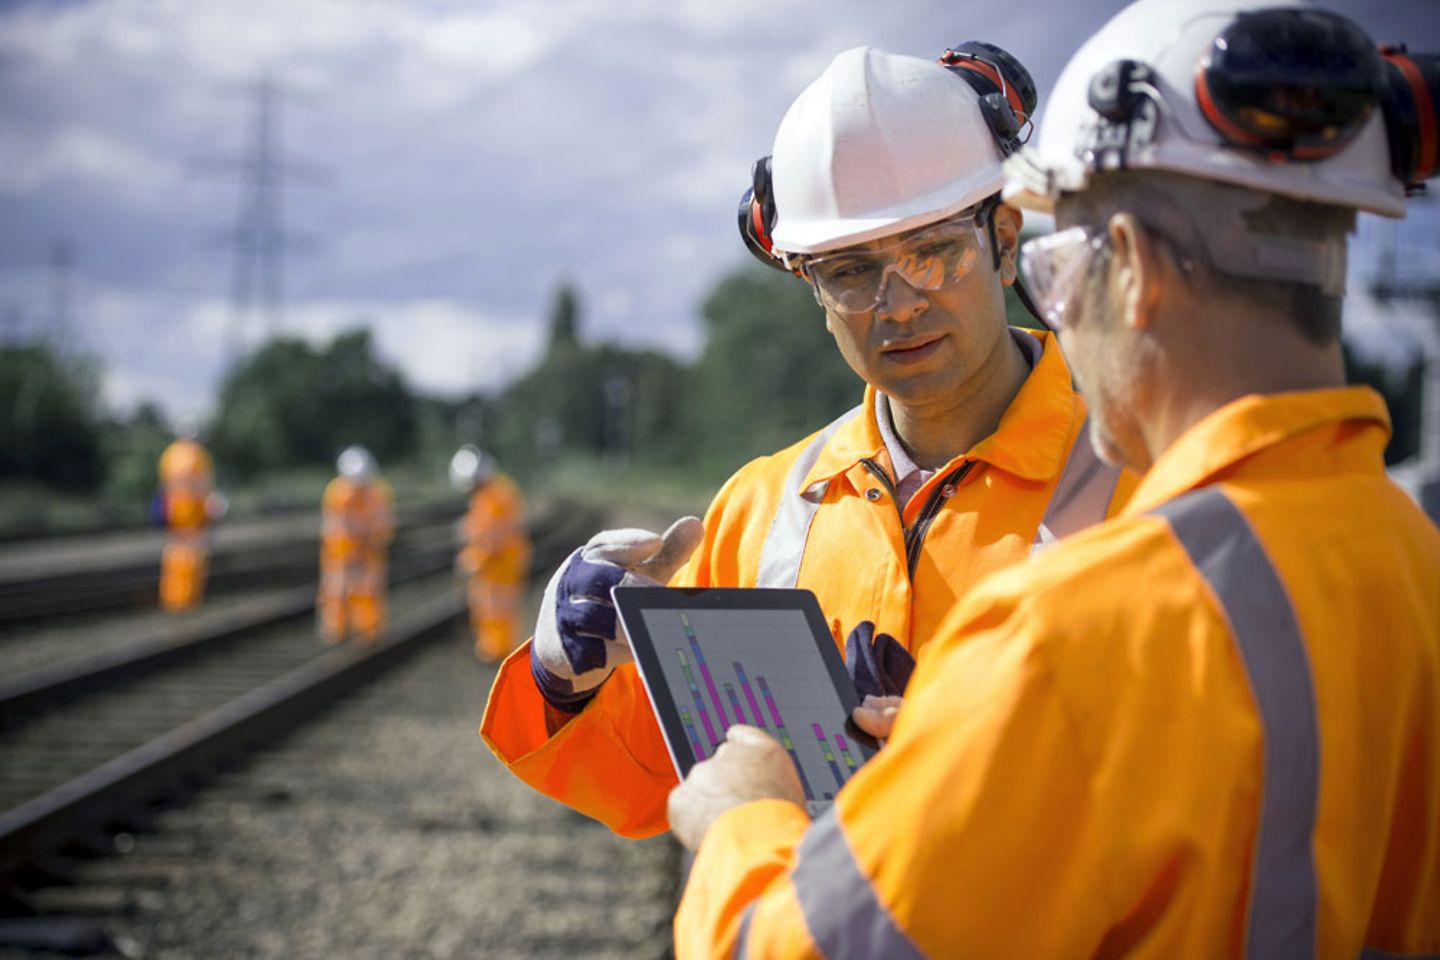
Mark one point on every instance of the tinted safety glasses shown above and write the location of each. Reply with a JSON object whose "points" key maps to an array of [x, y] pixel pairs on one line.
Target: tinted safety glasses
{"points": [[931, 258]]}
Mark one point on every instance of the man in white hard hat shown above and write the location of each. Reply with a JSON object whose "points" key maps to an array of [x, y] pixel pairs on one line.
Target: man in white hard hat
{"points": [[357, 522], [966, 453], [1209, 727]]}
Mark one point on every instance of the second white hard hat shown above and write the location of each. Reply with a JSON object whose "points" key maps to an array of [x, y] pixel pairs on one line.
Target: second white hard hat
{"points": [[469, 468], [879, 144], [1170, 40], [356, 463]]}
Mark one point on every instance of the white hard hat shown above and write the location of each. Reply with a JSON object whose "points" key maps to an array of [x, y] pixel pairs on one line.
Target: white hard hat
{"points": [[356, 463], [470, 467], [879, 144], [1171, 40]]}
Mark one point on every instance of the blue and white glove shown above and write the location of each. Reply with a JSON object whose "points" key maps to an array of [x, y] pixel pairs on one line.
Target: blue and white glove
{"points": [[878, 664], [578, 639]]}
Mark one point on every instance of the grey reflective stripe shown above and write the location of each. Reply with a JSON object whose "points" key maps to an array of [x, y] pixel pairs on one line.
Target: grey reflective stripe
{"points": [[842, 911], [785, 543], [740, 951], [1081, 496], [1225, 550], [1370, 953]]}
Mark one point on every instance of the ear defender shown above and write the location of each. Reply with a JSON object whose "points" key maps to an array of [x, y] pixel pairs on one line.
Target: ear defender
{"points": [[1005, 87], [1410, 101], [756, 217]]}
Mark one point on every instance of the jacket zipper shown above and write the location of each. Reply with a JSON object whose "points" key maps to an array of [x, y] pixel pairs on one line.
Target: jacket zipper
{"points": [[915, 535]]}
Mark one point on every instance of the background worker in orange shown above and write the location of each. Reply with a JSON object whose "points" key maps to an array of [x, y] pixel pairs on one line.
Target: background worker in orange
{"points": [[1210, 727], [966, 453], [356, 526], [495, 552], [187, 504]]}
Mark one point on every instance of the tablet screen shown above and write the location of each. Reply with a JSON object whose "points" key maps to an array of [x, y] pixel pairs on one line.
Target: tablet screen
{"points": [[773, 666]]}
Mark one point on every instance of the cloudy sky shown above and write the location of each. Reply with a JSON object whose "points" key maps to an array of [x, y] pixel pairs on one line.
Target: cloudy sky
{"points": [[462, 159]]}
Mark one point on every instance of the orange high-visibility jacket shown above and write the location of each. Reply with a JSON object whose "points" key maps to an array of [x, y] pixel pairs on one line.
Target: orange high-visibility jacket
{"points": [[494, 530], [1209, 728], [187, 476], [357, 520], [820, 515]]}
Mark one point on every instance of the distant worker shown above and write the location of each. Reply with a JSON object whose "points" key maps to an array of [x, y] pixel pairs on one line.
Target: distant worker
{"points": [[186, 505], [355, 533], [494, 553]]}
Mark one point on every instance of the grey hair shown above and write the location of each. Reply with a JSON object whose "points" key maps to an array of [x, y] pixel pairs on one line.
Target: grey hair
{"points": [[1284, 255]]}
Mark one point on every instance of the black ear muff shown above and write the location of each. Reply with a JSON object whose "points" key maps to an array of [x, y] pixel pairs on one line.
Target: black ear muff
{"points": [[1410, 101], [756, 216], [1005, 87]]}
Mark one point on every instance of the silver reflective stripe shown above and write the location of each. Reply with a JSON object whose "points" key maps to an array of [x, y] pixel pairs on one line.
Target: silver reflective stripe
{"points": [[740, 952], [1370, 953], [785, 543], [842, 911], [1225, 550], [1081, 496]]}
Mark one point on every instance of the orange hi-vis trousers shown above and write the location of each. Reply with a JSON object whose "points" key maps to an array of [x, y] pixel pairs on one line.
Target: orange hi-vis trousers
{"points": [[495, 593], [183, 567], [352, 595]]}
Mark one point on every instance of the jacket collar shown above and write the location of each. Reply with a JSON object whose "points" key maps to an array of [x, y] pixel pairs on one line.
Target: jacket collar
{"points": [[1031, 440], [1252, 424]]}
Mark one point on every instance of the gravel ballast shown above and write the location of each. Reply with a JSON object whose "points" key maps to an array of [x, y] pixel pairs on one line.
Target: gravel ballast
{"points": [[382, 829]]}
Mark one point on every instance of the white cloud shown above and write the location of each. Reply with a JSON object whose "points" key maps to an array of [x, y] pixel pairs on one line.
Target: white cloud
{"points": [[440, 345], [476, 152]]}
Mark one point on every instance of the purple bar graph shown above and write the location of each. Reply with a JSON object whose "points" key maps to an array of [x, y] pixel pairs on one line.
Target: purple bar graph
{"points": [[735, 704], [845, 752], [704, 671], [695, 743], [749, 694], [699, 700], [829, 754], [784, 735]]}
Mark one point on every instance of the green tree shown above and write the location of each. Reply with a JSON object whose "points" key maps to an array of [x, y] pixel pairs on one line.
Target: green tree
{"points": [[602, 401], [770, 373], [290, 404], [49, 421]]}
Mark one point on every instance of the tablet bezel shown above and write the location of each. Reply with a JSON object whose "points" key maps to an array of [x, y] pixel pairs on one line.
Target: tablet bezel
{"points": [[630, 602]]}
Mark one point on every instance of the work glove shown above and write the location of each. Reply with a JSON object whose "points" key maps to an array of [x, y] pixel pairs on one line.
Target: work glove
{"points": [[878, 664], [578, 640]]}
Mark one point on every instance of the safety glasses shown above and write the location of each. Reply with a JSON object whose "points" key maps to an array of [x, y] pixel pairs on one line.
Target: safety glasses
{"points": [[931, 258], [1054, 266]]}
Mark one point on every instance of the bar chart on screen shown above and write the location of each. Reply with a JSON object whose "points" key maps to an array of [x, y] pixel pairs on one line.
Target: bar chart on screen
{"points": [[758, 667]]}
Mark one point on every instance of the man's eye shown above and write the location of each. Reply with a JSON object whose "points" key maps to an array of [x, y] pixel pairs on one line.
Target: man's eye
{"points": [[938, 248], [853, 270]]}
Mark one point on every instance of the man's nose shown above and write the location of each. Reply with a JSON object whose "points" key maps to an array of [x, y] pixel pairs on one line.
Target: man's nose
{"points": [[899, 301]]}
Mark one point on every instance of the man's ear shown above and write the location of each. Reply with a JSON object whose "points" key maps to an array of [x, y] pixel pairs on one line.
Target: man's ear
{"points": [[1137, 262], [1008, 222]]}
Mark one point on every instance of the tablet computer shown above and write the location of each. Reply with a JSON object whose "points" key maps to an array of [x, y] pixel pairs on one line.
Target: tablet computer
{"points": [[713, 657]]}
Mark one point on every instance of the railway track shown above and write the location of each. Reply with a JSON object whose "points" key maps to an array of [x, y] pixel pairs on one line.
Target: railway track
{"points": [[91, 747], [37, 583]]}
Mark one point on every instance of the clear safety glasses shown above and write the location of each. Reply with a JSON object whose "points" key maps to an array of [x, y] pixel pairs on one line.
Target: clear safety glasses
{"points": [[931, 258], [1053, 267]]}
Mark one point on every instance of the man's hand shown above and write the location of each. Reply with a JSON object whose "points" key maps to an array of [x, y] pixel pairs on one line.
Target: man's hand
{"points": [[578, 642], [750, 765], [876, 716]]}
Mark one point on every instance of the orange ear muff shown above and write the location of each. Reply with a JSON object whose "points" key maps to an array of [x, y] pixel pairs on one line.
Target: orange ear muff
{"points": [[1012, 94], [1409, 102]]}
